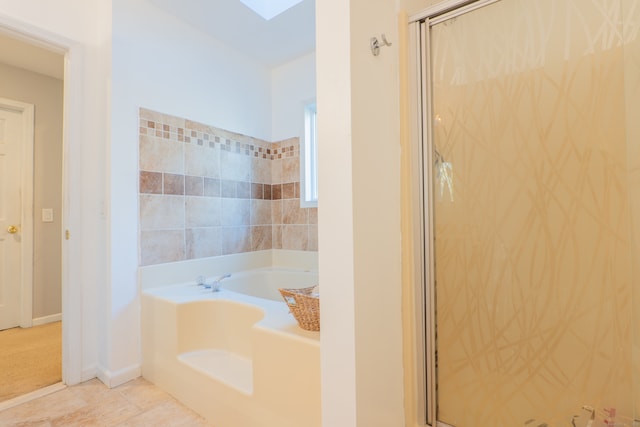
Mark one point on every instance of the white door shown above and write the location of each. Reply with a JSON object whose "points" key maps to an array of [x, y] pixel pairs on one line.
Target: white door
{"points": [[16, 130]]}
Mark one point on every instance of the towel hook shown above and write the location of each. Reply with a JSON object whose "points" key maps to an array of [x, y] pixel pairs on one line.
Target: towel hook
{"points": [[376, 44]]}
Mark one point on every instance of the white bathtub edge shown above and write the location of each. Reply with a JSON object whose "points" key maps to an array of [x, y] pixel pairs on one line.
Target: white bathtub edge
{"points": [[159, 275], [299, 260]]}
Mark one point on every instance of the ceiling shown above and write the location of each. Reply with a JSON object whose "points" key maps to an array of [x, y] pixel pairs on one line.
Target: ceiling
{"points": [[281, 39], [285, 37]]}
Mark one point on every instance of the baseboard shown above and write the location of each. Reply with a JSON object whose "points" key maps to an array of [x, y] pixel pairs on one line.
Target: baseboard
{"points": [[121, 376], [47, 319]]}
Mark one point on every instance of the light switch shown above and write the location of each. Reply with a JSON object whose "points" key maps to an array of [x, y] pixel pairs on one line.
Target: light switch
{"points": [[47, 215]]}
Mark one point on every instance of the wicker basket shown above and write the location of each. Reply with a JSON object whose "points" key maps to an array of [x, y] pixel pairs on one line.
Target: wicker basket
{"points": [[304, 304]]}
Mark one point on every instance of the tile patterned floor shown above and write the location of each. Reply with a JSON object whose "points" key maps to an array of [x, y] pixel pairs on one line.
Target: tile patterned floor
{"points": [[137, 403]]}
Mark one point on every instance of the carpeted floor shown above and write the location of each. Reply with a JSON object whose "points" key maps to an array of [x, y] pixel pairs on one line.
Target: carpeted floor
{"points": [[30, 359]]}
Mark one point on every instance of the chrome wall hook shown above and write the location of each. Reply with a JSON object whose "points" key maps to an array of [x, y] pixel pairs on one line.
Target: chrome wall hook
{"points": [[376, 44]]}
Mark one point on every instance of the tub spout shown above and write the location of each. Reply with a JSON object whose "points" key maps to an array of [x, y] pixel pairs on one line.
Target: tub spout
{"points": [[215, 285], [221, 278]]}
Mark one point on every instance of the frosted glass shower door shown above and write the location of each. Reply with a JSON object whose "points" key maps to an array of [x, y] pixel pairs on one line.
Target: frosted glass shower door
{"points": [[533, 213]]}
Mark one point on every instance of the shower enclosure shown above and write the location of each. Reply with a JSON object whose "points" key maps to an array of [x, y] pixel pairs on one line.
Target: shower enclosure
{"points": [[530, 217]]}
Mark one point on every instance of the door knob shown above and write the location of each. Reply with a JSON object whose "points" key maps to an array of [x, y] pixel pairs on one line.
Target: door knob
{"points": [[12, 229]]}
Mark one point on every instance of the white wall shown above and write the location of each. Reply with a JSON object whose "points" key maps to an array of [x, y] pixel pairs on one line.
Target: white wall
{"points": [[359, 215], [163, 64], [45, 93], [413, 7], [68, 18], [335, 215], [293, 85]]}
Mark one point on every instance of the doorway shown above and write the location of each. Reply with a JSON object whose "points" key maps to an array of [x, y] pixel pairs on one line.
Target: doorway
{"points": [[33, 76], [16, 193], [530, 177]]}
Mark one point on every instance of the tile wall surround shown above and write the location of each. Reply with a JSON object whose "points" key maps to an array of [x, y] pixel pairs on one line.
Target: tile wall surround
{"points": [[205, 191]]}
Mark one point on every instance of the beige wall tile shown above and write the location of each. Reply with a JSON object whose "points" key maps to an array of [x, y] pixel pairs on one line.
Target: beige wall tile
{"points": [[261, 170], [292, 213], [257, 190], [313, 215], [235, 212], [276, 192], [276, 145], [194, 185], [160, 246], [313, 238], [276, 242], [212, 187], [276, 171], [289, 190], [161, 212], [293, 141], [201, 160], [261, 212], [234, 137], [295, 237], [235, 166], [228, 188], [202, 211], [261, 237], [173, 184], [159, 155], [203, 242], [236, 240], [276, 211], [150, 182], [200, 127], [243, 190], [291, 169]]}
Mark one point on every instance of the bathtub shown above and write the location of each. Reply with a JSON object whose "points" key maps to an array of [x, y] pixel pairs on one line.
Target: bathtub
{"points": [[264, 282], [237, 356]]}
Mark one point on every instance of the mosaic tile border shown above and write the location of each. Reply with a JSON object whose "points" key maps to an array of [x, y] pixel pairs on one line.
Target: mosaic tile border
{"points": [[216, 140]]}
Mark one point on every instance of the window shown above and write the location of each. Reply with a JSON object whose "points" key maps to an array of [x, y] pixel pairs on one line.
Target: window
{"points": [[309, 169]]}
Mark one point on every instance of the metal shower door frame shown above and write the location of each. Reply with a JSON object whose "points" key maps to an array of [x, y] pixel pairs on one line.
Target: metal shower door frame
{"points": [[423, 212]]}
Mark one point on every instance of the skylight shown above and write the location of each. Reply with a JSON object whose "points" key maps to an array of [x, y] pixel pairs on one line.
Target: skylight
{"points": [[270, 8]]}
